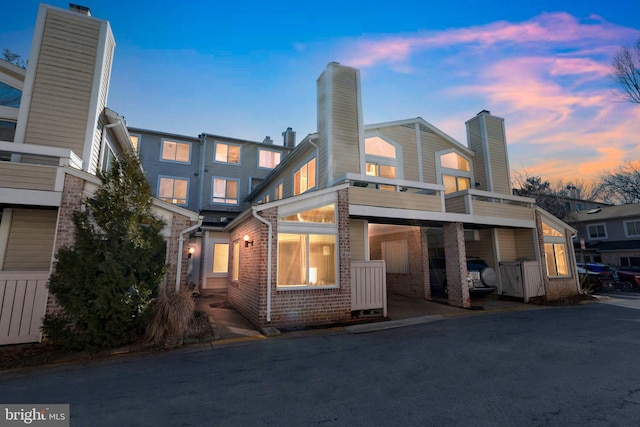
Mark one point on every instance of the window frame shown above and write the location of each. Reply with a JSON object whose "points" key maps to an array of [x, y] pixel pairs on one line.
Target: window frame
{"points": [[555, 236], [598, 237], [308, 229], [625, 225], [136, 147], [441, 171], [227, 162], [260, 150], [315, 177], [174, 178], [394, 162], [227, 179], [180, 162], [279, 191]]}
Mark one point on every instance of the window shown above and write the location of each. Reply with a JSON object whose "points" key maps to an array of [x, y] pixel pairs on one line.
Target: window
{"points": [[385, 171], [556, 258], [279, 191], [323, 215], [236, 261], [220, 258], [306, 259], [396, 256], [304, 179], [9, 96], [227, 153], [173, 190], [382, 159], [268, 159], [454, 170], [225, 190], [555, 252], [265, 198], [632, 228], [597, 231], [7, 130], [376, 146], [135, 140], [176, 151], [630, 261]]}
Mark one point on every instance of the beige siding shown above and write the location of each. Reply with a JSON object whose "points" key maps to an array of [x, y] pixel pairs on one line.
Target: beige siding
{"points": [[507, 245], [357, 239], [323, 135], [430, 145], [30, 242], [482, 248], [525, 244], [498, 155], [502, 210], [456, 205], [27, 177], [475, 143], [393, 199], [345, 127], [406, 137], [63, 82]]}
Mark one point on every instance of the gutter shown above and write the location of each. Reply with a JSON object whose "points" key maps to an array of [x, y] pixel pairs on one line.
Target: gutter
{"points": [[180, 248], [254, 211]]}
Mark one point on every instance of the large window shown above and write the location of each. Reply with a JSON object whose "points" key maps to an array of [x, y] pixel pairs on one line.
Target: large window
{"points": [[176, 151], [555, 251], [268, 159], [304, 179], [225, 191], [632, 228], [597, 231], [455, 171], [173, 190], [227, 153], [307, 248], [382, 158]]}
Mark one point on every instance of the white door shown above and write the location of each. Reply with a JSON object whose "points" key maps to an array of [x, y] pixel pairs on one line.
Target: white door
{"points": [[216, 262]]}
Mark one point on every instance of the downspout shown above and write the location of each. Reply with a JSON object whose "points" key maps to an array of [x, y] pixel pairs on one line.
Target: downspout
{"points": [[203, 155], [181, 246], [269, 255]]}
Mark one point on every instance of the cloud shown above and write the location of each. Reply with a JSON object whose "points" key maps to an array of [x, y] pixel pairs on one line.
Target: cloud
{"points": [[547, 76]]}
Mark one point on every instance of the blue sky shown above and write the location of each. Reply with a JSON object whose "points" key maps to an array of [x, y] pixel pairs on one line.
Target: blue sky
{"points": [[249, 69]]}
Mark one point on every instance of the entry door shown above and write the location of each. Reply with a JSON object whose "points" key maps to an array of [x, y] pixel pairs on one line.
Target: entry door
{"points": [[216, 265]]}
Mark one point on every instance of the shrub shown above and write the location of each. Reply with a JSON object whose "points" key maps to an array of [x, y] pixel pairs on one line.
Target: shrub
{"points": [[171, 315]]}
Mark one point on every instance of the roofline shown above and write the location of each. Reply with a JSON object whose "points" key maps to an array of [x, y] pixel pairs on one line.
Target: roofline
{"points": [[230, 138], [157, 132]]}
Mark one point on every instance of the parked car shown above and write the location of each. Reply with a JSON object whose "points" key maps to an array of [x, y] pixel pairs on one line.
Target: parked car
{"points": [[631, 275], [481, 278], [601, 271]]}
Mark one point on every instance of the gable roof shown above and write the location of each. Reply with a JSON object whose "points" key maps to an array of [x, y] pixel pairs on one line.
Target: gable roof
{"points": [[608, 212]]}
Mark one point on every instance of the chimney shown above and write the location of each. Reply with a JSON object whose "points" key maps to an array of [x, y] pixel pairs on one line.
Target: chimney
{"points": [[268, 141], [82, 10], [289, 138]]}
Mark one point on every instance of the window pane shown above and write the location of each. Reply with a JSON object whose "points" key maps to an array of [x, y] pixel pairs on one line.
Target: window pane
{"points": [[234, 154], [182, 153], [561, 259], [9, 96], [449, 183], [180, 189], [279, 192], [324, 214], [322, 260], [387, 171], [134, 141], [166, 188], [454, 161], [168, 150], [292, 259], [220, 257], [269, 159], [463, 183], [296, 183], [221, 153], [377, 146], [312, 173], [550, 259], [232, 191], [372, 169], [550, 231]]}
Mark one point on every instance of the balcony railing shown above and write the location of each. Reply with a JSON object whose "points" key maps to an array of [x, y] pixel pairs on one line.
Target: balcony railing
{"points": [[485, 203]]}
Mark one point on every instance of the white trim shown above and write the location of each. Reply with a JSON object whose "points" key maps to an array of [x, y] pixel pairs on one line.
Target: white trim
{"points": [[30, 197], [484, 141], [367, 248], [361, 131], [307, 204], [10, 80], [328, 103], [5, 227], [9, 114], [626, 233], [397, 162], [419, 150], [42, 150]]}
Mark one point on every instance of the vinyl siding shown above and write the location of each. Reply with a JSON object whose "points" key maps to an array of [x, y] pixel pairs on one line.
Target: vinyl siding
{"points": [[30, 242], [63, 82], [498, 155], [357, 236], [506, 245], [525, 245], [482, 248], [27, 177], [345, 142], [393, 199], [475, 143], [323, 137], [431, 143]]}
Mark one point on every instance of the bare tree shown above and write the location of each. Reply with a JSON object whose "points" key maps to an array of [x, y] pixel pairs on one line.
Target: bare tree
{"points": [[546, 196], [623, 183], [14, 58], [625, 70], [579, 189]]}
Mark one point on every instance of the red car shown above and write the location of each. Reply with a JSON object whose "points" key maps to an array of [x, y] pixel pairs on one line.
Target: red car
{"points": [[630, 275]]}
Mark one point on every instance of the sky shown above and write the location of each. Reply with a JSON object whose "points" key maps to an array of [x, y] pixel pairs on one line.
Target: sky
{"points": [[248, 69]]}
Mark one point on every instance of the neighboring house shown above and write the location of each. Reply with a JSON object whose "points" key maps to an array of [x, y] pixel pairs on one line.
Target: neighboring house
{"points": [[608, 234], [56, 135], [352, 196], [213, 175]]}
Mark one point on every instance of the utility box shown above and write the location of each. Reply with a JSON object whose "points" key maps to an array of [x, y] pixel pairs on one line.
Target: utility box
{"points": [[521, 279]]}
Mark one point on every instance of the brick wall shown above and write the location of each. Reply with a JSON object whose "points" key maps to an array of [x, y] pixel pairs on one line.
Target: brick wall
{"points": [[72, 196], [288, 307], [415, 283], [178, 223], [454, 251]]}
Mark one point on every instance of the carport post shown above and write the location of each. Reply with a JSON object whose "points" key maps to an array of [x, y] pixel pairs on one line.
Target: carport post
{"points": [[456, 260]]}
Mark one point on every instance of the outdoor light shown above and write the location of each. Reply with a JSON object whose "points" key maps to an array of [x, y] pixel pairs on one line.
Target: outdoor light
{"points": [[191, 251], [247, 242]]}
